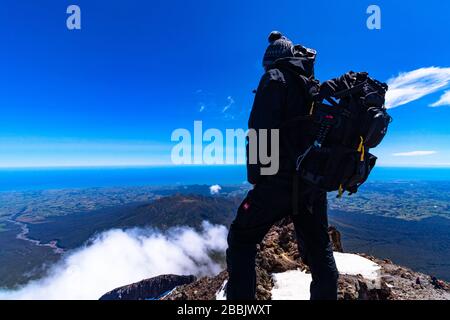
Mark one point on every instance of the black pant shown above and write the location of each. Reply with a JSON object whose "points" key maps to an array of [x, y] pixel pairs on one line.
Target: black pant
{"points": [[266, 204]]}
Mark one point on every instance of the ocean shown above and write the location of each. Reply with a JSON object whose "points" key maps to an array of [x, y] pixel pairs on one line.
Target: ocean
{"points": [[67, 178]]}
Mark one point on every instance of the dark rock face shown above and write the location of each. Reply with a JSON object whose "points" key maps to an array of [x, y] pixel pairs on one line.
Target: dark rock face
{"points": [[149, 289]]}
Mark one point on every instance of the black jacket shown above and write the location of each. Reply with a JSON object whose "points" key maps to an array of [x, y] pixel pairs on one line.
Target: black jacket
{"points": [[284, 92]]}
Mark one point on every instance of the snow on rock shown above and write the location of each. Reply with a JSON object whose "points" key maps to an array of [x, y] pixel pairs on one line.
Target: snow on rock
{"points": [[294, 285], [221, 295]]}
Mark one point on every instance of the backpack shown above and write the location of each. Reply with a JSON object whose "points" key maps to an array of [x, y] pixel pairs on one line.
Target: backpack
{"points": [[347, 118]]}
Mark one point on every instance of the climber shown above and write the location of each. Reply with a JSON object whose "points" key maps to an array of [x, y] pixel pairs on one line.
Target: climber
{"points": [[281, 95]]}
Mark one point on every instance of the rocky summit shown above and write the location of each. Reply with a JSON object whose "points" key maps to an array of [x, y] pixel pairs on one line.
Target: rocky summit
{"points": [[281, 275]]}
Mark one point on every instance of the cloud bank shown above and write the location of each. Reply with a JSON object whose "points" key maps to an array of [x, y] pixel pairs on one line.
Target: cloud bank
{"points": [[413, 85], [414, 153], [117, 257]]}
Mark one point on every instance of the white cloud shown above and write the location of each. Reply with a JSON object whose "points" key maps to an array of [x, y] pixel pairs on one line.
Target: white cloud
{"points": [[117, 257], [443, 101], [413, 85], [215, 189], [414, 153]]}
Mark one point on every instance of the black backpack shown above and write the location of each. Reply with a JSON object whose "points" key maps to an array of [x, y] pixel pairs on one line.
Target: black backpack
{"points": [[347, 118]]}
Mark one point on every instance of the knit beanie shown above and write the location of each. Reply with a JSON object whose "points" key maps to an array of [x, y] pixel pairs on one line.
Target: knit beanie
{"points": [[279, 47]]}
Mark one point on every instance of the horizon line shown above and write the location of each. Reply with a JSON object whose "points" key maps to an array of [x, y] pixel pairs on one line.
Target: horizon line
{"points": [[143, 166]]}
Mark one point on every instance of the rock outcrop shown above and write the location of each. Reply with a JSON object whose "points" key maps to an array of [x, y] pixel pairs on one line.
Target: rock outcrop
{"points": [[150, 289], [278, 253]]}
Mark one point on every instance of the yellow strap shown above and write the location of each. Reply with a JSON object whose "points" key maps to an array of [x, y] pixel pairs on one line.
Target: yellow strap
{"points": [[312, 108], [362, 149], [340, 191]]}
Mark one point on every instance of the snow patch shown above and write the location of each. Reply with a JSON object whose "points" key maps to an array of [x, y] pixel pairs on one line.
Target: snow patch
{"points": [[294, 285], [221, 294], [291, 285], [165, 294], [352, 264]]}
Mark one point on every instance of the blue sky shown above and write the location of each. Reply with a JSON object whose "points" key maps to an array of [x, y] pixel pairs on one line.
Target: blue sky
{"points": [[113, 92]]}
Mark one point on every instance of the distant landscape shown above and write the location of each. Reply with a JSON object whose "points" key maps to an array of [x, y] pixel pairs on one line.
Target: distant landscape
{"points": [[405, 221]]}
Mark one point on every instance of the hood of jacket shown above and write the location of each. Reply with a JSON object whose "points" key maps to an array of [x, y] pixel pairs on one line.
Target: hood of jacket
{"points": [[299, 65]]}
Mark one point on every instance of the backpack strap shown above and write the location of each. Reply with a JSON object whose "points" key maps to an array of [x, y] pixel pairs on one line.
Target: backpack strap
{"points": [[351, 91], [301, 80]]}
